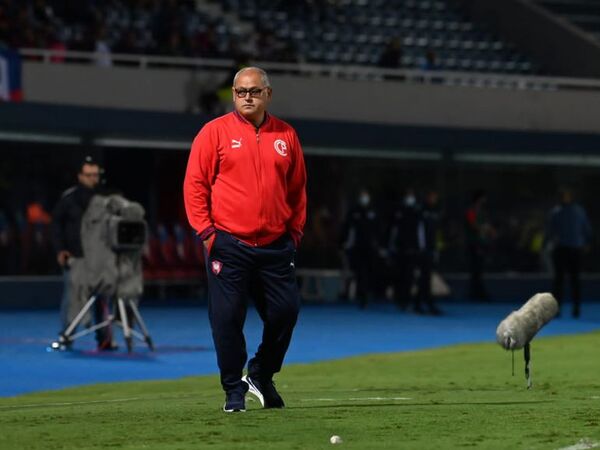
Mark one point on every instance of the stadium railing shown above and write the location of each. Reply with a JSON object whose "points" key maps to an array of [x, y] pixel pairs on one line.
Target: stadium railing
{"points": [[448, 78]]}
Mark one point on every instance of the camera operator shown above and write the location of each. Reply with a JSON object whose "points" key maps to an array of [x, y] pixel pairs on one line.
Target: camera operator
{"points": [[66, 230]]}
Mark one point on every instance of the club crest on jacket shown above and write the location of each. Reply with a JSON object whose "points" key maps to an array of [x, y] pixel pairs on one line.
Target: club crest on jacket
{"points": [[280, 147], [216, 267]]}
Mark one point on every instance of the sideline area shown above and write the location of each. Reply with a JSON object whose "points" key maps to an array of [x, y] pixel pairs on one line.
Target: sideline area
{"points": [[184, 345]]}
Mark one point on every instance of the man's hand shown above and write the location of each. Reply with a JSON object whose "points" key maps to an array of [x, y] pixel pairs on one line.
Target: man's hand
{"points": [[63, 257]]}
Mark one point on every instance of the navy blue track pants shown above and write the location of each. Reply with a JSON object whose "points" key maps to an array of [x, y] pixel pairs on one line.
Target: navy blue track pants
{"points": [[237, 271]]}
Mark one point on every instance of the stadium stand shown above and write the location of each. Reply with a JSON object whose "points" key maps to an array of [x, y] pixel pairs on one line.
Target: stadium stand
{"points": [[357, 32], [431, 34], [176, 28]]}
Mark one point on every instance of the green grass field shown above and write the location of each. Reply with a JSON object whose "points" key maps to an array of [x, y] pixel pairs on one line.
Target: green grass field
{"points": [[454, 397]]}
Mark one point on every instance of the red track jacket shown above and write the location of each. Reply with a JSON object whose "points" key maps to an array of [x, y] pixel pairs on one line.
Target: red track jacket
{"points": [[246, 181]]}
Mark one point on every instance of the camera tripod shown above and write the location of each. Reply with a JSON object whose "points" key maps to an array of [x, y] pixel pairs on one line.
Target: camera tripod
{"points": [[120, 305]]}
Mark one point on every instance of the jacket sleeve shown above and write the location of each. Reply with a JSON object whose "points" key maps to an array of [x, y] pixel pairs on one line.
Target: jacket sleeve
{"points": [[296, 192], [200, 175]]}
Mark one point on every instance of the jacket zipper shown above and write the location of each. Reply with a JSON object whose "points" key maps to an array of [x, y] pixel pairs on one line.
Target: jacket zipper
{"points": [[258, 166]]}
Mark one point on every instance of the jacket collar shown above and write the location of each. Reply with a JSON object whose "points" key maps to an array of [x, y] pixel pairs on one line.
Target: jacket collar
{"points": [[246, 121]]}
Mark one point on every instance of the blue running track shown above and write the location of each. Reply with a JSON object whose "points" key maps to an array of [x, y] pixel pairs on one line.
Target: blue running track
{"points": [[184, 345]]}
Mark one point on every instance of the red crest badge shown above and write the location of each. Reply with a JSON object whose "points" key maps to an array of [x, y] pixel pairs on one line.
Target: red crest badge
{"points": [[216, 267]]}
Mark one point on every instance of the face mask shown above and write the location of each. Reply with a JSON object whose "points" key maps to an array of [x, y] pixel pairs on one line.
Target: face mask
{"points": [[410, 200], [364, 200]]}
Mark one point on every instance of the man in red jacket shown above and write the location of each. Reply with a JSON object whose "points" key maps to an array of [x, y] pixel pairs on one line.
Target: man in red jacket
{"points": [[245, 195]]}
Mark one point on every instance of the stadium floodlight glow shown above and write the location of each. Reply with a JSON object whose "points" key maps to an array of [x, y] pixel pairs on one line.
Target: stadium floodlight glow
{"points": [[40, 137], [518, 329]]}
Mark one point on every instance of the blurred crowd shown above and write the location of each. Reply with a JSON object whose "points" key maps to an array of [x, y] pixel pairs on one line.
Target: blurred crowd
{"points": [[154, 27]]}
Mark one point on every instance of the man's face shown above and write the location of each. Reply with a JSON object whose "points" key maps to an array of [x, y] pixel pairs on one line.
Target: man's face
{"points": [[89, 175], [250, 96]]}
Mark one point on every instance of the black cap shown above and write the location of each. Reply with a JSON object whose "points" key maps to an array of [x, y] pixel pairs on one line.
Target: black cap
{"points": [[88, 160]]}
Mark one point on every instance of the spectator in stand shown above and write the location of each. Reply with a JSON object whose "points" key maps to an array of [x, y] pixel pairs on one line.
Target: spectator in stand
{"points": [[268, 46], [175, 45], [102, 48], [42, 15], [4, 26], [430, 62], [205, 43], [58, 47], [391, 58], [129, 43]]}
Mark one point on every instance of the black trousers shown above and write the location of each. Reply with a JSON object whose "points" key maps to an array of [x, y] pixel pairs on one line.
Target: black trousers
{"points": [[477, 289], [425, 263], [361, 264], [567, 260], [406, 263], [237, 271]]}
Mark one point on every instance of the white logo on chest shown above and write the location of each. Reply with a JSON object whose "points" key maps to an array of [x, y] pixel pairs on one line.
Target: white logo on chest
{"points": [[236, 143], [280, 147]]}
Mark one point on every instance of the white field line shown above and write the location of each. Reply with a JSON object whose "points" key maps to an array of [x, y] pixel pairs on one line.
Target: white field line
{"points": [[354, 399], [583, 444], [91, 402]]}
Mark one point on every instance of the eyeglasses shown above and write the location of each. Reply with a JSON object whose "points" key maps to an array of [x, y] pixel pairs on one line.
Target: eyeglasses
{"points": [[254, 92], [90, 174]]}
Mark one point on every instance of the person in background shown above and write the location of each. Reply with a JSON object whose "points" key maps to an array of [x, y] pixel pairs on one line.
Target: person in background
{"points": [[569, 232], [478, 233], [391, 57], [427, 258], [404, 247], [360, 245], [66, 231]]}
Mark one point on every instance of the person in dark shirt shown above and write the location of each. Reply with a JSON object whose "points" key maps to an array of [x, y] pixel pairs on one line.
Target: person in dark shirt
{"points": [[391, 57], [568, 232], [427, 229], [478, 233], [404, 246], [66, 231], [360, 246]]}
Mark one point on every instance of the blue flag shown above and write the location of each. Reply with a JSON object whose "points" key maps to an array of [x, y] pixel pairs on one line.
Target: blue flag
{"points": [[10, 76]]}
